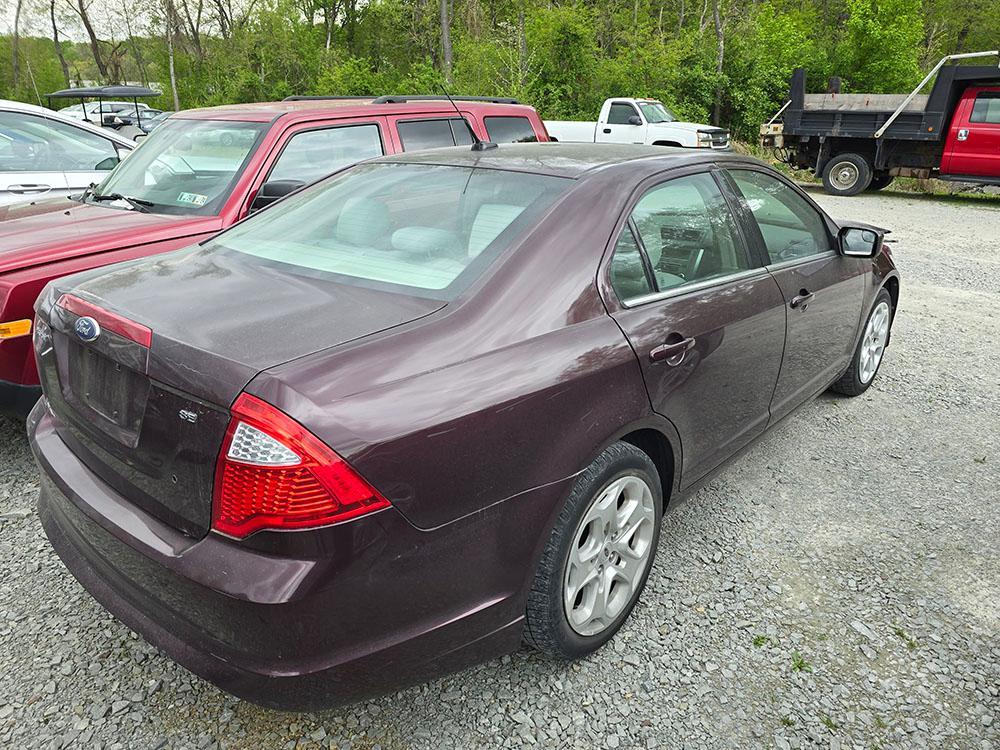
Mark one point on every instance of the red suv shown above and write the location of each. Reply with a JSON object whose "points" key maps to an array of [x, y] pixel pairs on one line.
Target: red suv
{"points": [[203, 170]]}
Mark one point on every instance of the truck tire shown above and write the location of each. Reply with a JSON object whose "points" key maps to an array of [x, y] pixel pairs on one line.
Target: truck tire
{"points": [[847, 174], [880, 180]]}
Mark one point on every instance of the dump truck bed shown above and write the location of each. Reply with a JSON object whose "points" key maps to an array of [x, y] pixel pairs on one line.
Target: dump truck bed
{"points": [[925, 118]]}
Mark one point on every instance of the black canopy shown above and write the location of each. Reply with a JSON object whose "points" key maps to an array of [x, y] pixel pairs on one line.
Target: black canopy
{"points": [[103, 92]]}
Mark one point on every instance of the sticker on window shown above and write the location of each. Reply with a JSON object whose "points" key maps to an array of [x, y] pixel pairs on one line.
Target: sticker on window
{"points": [[195, 199]]}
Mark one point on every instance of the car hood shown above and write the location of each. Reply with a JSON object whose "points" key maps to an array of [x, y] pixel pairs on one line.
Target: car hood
{"points": [[53, 229], [688, 127]]}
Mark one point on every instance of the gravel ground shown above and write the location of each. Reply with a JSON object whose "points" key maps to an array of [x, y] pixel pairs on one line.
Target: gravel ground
{"points": [[837, 587]]}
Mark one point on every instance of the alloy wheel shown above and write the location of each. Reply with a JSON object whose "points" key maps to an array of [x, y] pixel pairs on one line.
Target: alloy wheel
{"points": [[873, 342], [611, 550]]}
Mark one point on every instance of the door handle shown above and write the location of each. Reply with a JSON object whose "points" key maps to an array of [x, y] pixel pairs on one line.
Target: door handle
{"points": [[607, 130], [963, 134], [28, 189], [673, 353], [803, 298]]}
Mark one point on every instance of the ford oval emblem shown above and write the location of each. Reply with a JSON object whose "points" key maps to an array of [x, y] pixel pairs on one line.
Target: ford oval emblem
{"points": [[87, 329]]}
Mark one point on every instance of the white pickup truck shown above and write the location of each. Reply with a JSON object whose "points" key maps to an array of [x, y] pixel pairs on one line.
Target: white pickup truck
{"points": [[639, 121]]}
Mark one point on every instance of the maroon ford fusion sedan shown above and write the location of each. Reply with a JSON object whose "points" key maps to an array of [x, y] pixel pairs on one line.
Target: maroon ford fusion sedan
{"points": [[434, 405]]}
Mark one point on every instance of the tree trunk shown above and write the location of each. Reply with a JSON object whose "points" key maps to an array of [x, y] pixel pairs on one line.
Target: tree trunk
{"points": [[57, 43], [170, 53], [194, 27], [522, 52], [445, 13], [14, 46], [719, 56], [95, 43]]}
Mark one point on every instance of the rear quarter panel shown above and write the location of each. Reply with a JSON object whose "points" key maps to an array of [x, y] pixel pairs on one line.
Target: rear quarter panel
{"points": [[444, 442]]}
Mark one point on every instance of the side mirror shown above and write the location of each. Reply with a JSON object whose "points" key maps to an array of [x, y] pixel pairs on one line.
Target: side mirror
{"points": [[273, 191], [859, 242], [635, 120], [107, 164]]}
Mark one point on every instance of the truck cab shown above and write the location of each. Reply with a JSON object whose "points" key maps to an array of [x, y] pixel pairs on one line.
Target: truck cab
{"points": [[973, 145], [647, 121]]}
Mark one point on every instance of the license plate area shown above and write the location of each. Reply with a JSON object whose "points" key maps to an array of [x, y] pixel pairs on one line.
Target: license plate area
{"points": [[107, 388], [103, 383]]}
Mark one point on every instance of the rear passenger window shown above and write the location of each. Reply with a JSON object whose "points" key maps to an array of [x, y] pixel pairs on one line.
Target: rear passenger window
{"points": [[422, 134], [317, 153], [792, 229], [986, 108], [510, 130]]}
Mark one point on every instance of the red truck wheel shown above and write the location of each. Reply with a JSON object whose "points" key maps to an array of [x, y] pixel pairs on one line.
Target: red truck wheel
{"points": [[847, 174]]}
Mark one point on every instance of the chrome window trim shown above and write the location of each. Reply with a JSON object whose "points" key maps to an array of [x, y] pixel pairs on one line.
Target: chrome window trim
{"points": [[694, 286], [801, 261]]}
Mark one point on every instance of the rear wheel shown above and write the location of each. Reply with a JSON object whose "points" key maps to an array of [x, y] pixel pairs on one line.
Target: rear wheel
{"points": [[868, 355], [880, 180], [847, 174], [598, 556]]}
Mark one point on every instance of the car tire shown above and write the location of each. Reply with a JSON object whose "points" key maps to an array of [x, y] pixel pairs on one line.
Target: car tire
{"points": [[871, 348], [847, 174], [579, 551], [880, 180]]}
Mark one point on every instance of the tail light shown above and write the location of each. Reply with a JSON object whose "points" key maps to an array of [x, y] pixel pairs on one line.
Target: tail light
{"points": [[272, 473]]}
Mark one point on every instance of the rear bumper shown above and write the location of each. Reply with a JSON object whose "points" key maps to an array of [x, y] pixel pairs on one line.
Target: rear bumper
{"points": [[377, 606], [16, 399]]}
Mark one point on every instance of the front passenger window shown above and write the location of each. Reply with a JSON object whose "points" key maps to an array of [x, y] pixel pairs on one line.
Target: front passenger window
{"points": [[313, 154], [791, 228], [30, 143], [687, 235], [620, 113]]}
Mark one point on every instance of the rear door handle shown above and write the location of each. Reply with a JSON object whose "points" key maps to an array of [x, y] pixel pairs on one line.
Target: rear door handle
{"points": [[28, 189], [803, 298], [963, 134], [672, 353], [607, 130]]}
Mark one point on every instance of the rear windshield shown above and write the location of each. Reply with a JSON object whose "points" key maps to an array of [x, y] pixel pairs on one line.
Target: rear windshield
{"points": [[420, 229]]}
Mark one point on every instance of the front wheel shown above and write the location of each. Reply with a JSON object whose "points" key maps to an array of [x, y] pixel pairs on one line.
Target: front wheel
{"points": [[868, 355], [598, 556], [847, 174]]}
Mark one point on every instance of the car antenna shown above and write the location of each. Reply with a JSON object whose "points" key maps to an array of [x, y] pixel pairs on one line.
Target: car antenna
{"points": [[478, 144]]}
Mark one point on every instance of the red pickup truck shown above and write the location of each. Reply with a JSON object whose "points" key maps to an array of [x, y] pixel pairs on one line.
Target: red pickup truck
{"points": [[200, 172]]}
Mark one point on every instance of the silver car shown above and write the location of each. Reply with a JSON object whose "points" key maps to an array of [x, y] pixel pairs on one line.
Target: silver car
{"points": [[43, 153]]}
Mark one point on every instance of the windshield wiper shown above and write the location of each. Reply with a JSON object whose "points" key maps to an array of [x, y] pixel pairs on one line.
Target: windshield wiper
{"points": [[139, 204]]}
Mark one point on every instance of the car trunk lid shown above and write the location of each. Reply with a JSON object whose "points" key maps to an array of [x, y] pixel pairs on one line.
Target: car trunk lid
{"points": [[144, 399]]}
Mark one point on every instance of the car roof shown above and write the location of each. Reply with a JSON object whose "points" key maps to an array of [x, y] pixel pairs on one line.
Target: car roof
{"points": [[566, 159], [12, 106], [311, 108]]}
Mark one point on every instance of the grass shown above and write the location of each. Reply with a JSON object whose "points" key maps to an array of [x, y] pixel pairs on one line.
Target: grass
{"points": [[788, 721], [759, 641], [909, 640], [799, 664], [829, 723]]}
